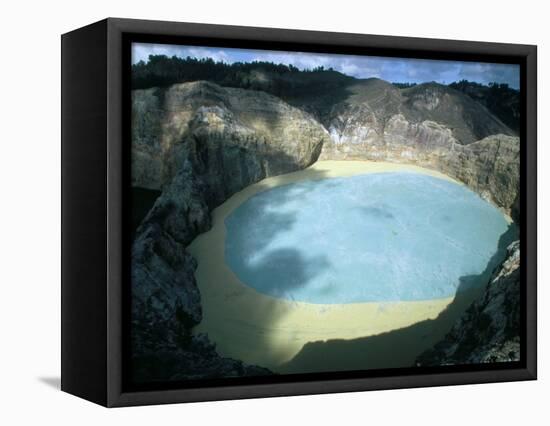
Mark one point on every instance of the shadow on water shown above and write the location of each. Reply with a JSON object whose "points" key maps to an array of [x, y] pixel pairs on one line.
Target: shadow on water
{"points": [[286, 269], [276, 271], [245, 326], [378, 212], [397, 348]]}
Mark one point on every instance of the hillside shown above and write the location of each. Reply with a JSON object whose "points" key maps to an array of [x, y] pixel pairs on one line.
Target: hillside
{"points": [[371, 104], [324, 92], [500, 99], [280, 80]]}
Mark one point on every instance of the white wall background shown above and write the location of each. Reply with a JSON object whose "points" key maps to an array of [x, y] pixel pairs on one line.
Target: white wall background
{"points": [[29, 211]]}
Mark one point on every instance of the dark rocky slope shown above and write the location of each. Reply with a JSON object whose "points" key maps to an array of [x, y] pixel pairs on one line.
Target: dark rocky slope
{"points": [[199, 143], [489, 330], [500, 99]]}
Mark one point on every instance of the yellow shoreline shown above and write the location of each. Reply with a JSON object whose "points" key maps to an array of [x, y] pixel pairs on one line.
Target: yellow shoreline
{"points": [[263, 330]]}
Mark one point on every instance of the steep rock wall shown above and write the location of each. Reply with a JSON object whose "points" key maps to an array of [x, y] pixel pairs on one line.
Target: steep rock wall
{"points": [[239, 135], [489, 329], [211, 142], [489, 166]]}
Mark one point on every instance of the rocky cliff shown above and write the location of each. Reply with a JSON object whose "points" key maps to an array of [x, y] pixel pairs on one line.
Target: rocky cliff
{"points": [[489, 330], [237, 135], [199, 143]]}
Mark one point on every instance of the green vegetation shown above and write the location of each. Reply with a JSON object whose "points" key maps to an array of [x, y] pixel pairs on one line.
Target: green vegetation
{"points": [[277, 79]]}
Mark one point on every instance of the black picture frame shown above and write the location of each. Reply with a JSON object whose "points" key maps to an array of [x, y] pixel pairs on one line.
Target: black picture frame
{"points": [[95, 245]]}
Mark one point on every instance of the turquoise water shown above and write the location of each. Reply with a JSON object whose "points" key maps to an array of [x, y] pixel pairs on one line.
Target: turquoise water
{"points": [[374, 237]]}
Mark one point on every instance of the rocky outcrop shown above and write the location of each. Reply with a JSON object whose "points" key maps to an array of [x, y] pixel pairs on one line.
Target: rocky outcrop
{"points": [[490, 167], [211, 142], [489, 330], [238, 135]]}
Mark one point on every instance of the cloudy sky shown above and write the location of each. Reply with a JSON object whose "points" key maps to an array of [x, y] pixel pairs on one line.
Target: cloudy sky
{"points": [[397, 70]]}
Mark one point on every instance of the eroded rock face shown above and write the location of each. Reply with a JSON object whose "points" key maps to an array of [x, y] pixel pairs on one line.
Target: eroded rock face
{"points": [[489, 330], [489, 166], [378, 113], [200, 144], [235, 134], [165, 297]]}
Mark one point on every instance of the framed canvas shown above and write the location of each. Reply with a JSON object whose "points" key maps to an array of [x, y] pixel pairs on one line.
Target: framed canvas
{"points": [[253, 212]]}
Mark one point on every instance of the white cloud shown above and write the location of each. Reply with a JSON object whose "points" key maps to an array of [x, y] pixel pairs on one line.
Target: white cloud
{"points": [[202, 53], [298, 59]]}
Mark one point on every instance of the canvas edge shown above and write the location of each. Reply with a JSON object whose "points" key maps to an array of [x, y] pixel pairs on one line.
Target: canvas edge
{"points": [[83, 213], [115, 396]]}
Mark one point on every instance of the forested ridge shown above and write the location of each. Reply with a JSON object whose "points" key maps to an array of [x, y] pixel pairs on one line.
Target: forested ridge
{"points": [[289, 82]]}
